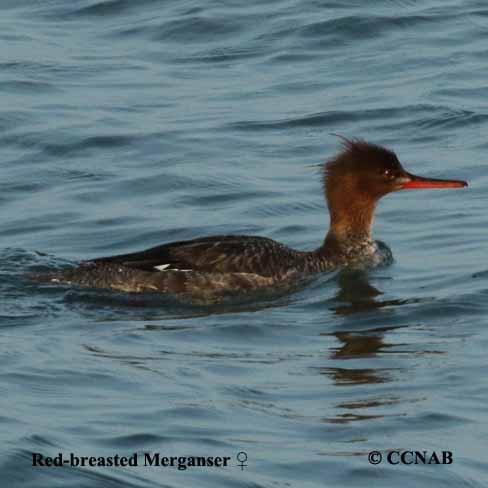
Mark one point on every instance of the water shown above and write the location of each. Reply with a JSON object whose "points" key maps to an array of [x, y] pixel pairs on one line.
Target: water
{"points": [[128, 124]]}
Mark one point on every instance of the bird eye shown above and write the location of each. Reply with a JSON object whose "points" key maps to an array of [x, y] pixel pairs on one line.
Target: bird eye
{"points": [[388, 174]]}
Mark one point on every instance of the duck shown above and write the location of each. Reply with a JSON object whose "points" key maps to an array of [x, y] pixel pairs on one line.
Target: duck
{"points": [[353, 181]]}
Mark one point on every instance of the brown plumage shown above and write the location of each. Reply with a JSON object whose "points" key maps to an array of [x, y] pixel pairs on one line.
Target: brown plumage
{"points": [[353, 181]]}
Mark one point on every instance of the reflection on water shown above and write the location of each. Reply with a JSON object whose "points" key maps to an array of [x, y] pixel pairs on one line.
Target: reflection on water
{"points": [[356, 294], [129, 124], [346, 376], [355, 298], [362, 344]]}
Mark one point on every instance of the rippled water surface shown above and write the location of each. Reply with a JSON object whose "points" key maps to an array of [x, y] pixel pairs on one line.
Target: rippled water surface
{"points": [[127, 124]]}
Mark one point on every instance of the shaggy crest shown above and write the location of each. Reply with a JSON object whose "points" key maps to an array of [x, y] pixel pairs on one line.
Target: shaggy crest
{"points": [[356, 157]]}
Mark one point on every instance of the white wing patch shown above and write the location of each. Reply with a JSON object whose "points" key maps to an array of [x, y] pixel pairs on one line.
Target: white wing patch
{"points": [[164, 267]]}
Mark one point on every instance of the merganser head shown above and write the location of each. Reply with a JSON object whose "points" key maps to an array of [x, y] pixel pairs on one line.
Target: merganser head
{"points": [[356, 178]]}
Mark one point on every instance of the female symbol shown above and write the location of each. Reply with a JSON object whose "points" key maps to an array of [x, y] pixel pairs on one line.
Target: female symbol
{"points": [[242, 458]]}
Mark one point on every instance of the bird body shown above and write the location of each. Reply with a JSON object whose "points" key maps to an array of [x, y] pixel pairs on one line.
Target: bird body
{"points": [[353, 182]]}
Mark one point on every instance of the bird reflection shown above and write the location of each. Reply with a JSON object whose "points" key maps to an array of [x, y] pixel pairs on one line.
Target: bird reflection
{"points": [[362, 336], [356, 294]]}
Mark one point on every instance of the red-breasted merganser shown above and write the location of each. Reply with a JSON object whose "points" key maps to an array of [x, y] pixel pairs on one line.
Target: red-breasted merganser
{"points": [[353, 181]]}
